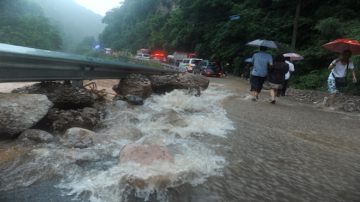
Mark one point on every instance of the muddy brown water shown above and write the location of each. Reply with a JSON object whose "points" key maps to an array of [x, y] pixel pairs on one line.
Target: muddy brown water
{"points": [[283, 152]]}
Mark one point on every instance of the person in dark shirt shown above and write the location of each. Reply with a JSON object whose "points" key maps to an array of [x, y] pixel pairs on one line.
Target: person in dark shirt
{"points": [[276, 76]]}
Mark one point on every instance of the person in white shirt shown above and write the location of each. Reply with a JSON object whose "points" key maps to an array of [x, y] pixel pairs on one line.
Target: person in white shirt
{"points": [[337, 78], [282, 92]]}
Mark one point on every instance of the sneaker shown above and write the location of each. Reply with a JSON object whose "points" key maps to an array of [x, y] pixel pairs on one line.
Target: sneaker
{"points": [[273, 102]]}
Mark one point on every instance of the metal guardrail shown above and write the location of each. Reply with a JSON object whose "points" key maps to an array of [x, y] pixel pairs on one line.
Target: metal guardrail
{"points": [[19, 64]]}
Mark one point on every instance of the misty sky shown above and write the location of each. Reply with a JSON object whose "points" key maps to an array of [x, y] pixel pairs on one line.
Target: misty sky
{"points": [[99, 6]]}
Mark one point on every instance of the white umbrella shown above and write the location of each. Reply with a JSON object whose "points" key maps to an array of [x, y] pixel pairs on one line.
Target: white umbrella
{"points": [[293, 56], [265, 43], [249, 60]]}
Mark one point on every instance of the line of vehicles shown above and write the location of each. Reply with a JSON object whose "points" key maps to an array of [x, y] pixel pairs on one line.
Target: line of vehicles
{"points": [[183, 62]]}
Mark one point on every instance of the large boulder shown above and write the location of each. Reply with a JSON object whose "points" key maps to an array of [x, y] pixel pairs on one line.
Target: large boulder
{"points": [[19, 112], [78, 138], [61, 120], [134, 85], [167, 83], [38, 136], [64, 96]]}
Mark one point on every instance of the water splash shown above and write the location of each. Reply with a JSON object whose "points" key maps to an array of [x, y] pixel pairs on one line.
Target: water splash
{"points": [[174, 120]]}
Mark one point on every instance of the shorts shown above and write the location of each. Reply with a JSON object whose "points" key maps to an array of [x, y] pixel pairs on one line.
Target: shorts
{"points": [[332, 85], [257, 83], [275, 86]]}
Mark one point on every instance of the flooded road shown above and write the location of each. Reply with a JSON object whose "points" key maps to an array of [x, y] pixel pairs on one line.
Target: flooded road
{"points": [[289, 152], [226, 148]]}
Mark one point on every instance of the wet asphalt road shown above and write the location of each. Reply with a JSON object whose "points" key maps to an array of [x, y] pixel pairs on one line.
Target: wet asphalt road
{"points": [[287, 152]]}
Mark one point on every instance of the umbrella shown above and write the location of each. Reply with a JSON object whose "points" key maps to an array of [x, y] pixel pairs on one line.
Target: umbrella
{"points": [[293, 56], [249, 60], [340, 45], [261, 42]]}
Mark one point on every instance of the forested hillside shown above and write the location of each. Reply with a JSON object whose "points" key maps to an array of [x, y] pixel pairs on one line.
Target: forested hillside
{"points": [[23, 23], [74, 21], [47, 24], [204, 26]]}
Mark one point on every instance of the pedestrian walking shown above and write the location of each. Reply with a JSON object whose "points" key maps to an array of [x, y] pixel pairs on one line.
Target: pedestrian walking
{"points": [[337, 79], [277, 76], [261, 61], [285, 86]]}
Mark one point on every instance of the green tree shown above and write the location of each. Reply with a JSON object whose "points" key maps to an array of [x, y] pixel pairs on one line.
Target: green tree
{"points": [[23, 23], [204, 26], [86, 45]]}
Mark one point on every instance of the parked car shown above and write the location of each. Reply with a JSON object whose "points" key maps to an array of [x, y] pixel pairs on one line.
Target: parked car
{"points": [[189, 63], [211, 70], [142, 56], [201, 66], [178, 57]]}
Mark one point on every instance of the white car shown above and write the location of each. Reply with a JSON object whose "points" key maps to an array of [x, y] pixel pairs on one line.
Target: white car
{"points": [[189, 63], [142, 56]]}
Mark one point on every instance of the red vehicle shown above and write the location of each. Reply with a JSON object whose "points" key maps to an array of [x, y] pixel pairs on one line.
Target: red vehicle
{"points": [[159, 55]]}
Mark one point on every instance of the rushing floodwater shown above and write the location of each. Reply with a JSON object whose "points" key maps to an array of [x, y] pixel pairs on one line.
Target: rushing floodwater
{"points": [[177, 120], [226, 149]]}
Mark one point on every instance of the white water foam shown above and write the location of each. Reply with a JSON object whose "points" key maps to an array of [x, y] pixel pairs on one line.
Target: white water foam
{"points": [[174, 120]]}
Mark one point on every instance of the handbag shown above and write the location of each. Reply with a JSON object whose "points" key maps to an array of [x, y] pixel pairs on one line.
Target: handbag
{"points": [[341, 82]]}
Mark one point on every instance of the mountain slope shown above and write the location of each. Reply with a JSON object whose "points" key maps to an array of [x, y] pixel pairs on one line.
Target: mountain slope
{"points": [[23, 23], [74, 21]]}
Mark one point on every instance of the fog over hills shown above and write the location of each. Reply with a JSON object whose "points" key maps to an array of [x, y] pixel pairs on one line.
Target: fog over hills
{"points": [[74, 21]]}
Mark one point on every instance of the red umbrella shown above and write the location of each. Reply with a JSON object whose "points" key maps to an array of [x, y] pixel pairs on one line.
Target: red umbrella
{"points": [[340, 45]]}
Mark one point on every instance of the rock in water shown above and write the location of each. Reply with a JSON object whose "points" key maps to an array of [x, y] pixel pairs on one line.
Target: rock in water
{"points": [[63, 96], [35, 135], [167, 83], [170, 116], [78, 138], [134, 99], [350, 106], [61, 120], [19, 112], [144, 154], [134, 85]]}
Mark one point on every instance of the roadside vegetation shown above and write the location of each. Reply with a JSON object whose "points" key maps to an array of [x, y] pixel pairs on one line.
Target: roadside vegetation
{"points": [[204, 26], [201, 26], [23, 23]]}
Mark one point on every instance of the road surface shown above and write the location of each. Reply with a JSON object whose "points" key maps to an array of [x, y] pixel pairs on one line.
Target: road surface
{"points": [[288, 151]]}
